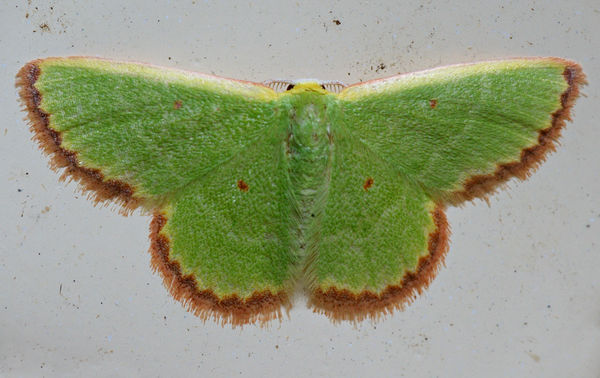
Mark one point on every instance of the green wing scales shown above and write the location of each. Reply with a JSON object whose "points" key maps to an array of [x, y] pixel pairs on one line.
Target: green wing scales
{"points": [[459, 131], [253, 191], [188, 148], [150, 128]]}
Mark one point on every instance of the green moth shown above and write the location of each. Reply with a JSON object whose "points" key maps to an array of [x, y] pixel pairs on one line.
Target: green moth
{"points": [[255, 189]]}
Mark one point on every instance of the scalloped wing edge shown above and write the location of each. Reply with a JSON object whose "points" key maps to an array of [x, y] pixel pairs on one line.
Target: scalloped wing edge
{"points": [[344, 305], [260, 307], [91, 181]]}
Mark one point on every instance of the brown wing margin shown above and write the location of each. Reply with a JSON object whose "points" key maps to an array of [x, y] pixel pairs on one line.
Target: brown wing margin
{"points": [[342, 305], [91, 181], [259, 307], [482, 185]]}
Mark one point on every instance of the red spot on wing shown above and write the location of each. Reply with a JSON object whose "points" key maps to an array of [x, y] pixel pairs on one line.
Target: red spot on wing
{"points": [[368, 183], [242, 186], [433, 103], [177, 104]]}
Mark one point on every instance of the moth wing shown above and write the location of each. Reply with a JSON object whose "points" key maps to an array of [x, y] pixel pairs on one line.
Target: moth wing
{"points": [[136, 133], [225, 246], [380, 240], [460, 131], [205, 153]]}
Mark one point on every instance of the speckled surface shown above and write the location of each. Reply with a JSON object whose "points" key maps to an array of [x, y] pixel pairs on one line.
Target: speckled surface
{"points": [[520, 294]]}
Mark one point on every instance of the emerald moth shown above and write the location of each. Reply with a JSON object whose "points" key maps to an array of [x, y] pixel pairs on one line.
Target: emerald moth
{"points": [[259, 189]]}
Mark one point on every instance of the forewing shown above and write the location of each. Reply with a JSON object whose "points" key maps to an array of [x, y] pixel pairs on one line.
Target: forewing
{"points": [[459, 131], [137, 133]]}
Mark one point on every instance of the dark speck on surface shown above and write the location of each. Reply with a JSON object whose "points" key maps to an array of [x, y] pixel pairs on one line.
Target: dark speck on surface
{"points": [[380, 67]]}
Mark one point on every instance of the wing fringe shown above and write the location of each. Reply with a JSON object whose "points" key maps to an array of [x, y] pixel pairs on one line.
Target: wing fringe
{"points": [[92, 182], [344, 305], [260, 307], [481, 186]]}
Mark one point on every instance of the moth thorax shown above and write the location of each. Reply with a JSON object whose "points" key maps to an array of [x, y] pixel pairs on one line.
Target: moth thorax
{"points": [[309, 126]]}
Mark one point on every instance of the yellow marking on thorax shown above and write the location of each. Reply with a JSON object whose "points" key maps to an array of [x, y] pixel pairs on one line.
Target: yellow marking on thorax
{"points": [[311, 86]]}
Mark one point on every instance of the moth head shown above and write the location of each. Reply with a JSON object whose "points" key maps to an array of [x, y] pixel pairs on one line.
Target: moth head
{"points": [[304, 85]]}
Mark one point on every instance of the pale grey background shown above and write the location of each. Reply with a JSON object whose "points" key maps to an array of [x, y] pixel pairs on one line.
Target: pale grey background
{"points": [[520, 295]]}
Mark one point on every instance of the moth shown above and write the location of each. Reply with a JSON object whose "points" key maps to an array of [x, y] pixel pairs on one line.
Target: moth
{"points": [[258, 189]]}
